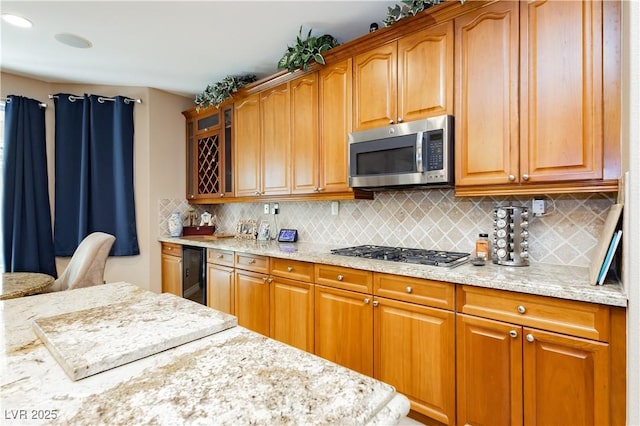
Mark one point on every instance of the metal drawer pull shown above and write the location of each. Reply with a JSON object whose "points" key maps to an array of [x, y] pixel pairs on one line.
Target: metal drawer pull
{"points": [[251, 261], [409, 290], [366, 301], [289, 268], [220, 256], [522, 309], [340, 277], [530, 338], [513, 334]]}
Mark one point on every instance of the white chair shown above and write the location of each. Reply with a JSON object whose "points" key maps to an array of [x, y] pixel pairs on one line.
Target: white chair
{"points": [[86, 267]]}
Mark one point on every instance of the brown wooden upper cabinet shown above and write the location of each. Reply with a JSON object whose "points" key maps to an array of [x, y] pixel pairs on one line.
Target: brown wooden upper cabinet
{"points": [[209, 149], [262, 155], [529, 99], [405, 80]]}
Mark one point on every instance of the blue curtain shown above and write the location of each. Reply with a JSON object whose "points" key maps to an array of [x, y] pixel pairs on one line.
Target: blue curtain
{"points": [[26, 220], [94, 172]]}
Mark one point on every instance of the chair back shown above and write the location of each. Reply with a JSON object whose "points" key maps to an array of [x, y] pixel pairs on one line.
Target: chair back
{"points": [[86, 267]]}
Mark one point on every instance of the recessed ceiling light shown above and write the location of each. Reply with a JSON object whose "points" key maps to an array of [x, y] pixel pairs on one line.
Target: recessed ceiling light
{"points": [[16, 20], [73, 40]]}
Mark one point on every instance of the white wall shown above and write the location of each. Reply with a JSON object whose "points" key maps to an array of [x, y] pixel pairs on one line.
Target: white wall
{"points": [[631, 244], [159, 168]]}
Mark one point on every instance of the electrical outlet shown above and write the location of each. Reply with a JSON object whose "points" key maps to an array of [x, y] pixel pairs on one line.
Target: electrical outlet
{"points": [[538, 207], [335, 206], [266, 208], [275, 209]]}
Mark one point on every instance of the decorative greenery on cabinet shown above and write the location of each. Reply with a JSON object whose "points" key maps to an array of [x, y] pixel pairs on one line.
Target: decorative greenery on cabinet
{"points": [[306, 50], [219, 92]]}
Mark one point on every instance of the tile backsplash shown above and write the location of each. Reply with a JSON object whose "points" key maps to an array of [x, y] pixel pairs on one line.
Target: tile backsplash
{"points": [[433, 219]]}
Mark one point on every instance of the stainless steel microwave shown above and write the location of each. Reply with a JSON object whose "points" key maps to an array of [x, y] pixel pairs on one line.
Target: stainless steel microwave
{"points": [[413, 154]]}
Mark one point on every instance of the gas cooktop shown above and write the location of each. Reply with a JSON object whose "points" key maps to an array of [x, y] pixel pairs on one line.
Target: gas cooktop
{"points": [[406, 255]]}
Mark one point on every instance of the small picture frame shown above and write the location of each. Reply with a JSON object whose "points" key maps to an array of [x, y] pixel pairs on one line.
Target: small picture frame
{"points": [[246, 230], [263, 231]]}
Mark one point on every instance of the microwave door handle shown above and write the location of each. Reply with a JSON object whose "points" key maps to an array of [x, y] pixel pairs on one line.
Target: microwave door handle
{"points": [[419, 146]]}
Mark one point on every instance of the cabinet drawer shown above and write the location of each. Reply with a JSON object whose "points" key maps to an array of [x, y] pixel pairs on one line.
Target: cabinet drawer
{"points": [[293, 269], [579, 319], [172, 249], [252, 262], [344, 278], [220, 257], [421, 291]]}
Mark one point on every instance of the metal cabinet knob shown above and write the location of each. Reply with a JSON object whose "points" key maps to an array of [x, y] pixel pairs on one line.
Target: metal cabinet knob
{"points": [[409, 290], [251, 261], [221, 195], [512, 178], [375, 303], [513, 333], [270, 280], [220, 256], [530, 338], [289, 268], [257, 192], [390, 121], [320, 189], [264, 279], [366, 301], [522, 309], [525, 177], [340, 277]]}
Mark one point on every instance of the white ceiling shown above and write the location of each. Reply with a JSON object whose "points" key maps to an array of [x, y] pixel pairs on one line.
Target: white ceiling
{"points": [[177, 46]]}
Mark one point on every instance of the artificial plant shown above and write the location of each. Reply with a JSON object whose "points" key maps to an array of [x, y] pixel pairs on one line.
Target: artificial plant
{"points": [[408, 8], [217, 93], [306, 50]]}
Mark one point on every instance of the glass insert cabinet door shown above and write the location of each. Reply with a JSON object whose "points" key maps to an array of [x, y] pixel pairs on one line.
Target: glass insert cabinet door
{"points": [[209, 150]]}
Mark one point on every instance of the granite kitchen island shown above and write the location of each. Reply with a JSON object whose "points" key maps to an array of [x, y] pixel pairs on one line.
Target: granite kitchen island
{"points": [[234, 376]]}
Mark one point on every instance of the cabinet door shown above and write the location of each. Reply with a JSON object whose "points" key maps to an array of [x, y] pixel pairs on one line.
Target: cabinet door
{"points": [[375, 88], [344, 328], [489, 372], [252, 301], [413, 348], [276, 146], [304, 135], [335, 125], [425, 73], [566, 380], [207, 162], [561, 90], [172, 274], [486, 95], [292, 313], [247, 147], [220, 288]]}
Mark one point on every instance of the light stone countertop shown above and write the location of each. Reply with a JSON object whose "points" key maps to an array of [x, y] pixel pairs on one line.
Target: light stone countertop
{"points": [[565, 282], [232, 377]]}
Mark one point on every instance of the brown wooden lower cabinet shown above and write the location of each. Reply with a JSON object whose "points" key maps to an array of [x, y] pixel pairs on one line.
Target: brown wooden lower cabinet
{"points": [[252, 301], [292, 313], [221, 280], [172, 268], [221, 288], [413, 351], [571, 363], [513, 374], [344, 328]]}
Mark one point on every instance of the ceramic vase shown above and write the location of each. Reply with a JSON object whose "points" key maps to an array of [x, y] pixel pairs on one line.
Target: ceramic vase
{"points": [[175, 224]]}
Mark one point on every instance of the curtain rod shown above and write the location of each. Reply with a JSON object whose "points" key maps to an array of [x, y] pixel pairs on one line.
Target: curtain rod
{"points": [[101, 99], [8, 101]]}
